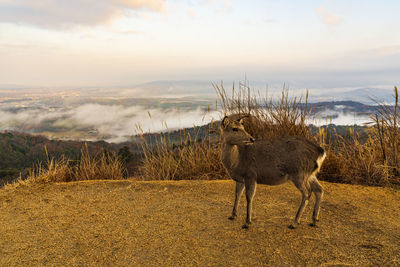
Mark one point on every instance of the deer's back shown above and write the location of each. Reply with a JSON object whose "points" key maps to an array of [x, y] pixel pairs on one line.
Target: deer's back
{"points": [[276, 160]]}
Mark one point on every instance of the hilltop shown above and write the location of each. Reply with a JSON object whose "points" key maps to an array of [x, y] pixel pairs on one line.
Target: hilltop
{"points": [[131, 223]]}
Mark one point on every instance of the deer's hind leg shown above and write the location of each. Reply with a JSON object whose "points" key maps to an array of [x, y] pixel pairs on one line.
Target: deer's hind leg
{"points": [[238, 194], [304, 187], [318, 192]]}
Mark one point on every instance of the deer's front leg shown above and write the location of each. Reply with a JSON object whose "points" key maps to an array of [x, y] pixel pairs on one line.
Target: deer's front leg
{"points": [[250, 185], [238, 194]]}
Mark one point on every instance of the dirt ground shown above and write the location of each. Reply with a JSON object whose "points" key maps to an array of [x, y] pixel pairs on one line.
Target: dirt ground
{"points": [[130, 223]]}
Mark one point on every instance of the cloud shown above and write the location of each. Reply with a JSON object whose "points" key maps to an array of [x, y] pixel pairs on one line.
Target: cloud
{"points": [[134, 32], [224, 6], [269, 21], [326, 17], [191, 13], [64, 14], [386, 50]]}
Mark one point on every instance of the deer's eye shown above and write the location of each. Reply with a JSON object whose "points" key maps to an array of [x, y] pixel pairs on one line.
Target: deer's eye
{"points": [[235, 129]]}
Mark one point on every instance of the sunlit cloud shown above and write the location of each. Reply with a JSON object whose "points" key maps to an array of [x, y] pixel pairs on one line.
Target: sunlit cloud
{"points": [[64, 14], [387, 50], [223, 6], [191, 13], [226, 6], [327, 17], [268, 21]]}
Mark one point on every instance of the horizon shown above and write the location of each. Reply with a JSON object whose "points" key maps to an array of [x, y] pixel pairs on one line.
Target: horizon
{"points": [[312, 44]]}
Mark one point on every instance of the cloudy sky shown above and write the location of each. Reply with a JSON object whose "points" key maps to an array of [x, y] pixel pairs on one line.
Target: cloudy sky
{"points": [[124, 42]]}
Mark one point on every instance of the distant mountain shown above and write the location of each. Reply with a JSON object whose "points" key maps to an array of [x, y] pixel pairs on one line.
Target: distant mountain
{"points": [[364, 95], [176, 88], [342, 106]]}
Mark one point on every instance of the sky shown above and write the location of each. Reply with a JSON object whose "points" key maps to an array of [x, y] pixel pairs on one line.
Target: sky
{"points": [[310, 43]]}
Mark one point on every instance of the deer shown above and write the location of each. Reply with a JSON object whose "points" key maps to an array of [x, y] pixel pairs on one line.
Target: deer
{"points": [[270, 162]]}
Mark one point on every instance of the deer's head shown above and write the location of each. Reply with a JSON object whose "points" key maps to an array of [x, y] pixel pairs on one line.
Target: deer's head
{"points": [[233, 132]]}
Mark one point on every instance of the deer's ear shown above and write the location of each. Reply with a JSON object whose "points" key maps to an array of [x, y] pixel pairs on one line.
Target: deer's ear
{"points": [[224, 122], [241, 119]]}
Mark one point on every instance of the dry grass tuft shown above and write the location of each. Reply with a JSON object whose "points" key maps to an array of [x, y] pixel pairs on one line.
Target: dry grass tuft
{"points": [[268, 118], [353, 162], [373, 162], [190, 159], [104, 166]]}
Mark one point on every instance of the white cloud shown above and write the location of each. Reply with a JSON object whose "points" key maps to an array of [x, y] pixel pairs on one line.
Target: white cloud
{"points": [[387, 50], [62, 14], [226, 7], [155, 5], [191, 13], [223, 5], [269, 21], [326, 17]]}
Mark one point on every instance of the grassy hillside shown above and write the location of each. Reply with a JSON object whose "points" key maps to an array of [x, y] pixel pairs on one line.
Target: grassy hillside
{"points": [[130, 223]]}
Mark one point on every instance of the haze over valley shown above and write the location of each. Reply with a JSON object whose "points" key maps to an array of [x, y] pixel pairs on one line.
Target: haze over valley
{"points": [[114, 114]]}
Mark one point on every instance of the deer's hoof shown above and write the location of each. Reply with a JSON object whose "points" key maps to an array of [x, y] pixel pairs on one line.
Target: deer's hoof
{"points": [[232, 218], [314, 223], [291, 226], [245, 226]]}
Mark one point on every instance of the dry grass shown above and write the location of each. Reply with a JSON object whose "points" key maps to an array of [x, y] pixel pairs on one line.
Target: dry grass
{"points": [[184, 223], [373, 162], [268, 118], [104, 166], [353, 162], [190, 159]]}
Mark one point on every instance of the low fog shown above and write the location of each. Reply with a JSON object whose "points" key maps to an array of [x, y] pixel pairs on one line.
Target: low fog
{"points": [[339, 118], [113, 122], [117, 123]]}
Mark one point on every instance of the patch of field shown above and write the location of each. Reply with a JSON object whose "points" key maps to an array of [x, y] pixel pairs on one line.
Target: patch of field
{"points": [[130, 223]]}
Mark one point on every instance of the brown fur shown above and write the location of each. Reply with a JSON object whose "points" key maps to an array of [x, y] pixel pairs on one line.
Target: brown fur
{"points": [[270, 162]]}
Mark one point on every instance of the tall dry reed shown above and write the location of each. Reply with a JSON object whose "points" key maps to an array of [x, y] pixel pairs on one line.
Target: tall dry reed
{"points": [[372, 162], [268, 118], [103, 166], [189, 158]]}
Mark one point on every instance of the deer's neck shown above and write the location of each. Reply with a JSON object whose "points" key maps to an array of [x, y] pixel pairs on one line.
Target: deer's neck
{"points": [[229, 155]]}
